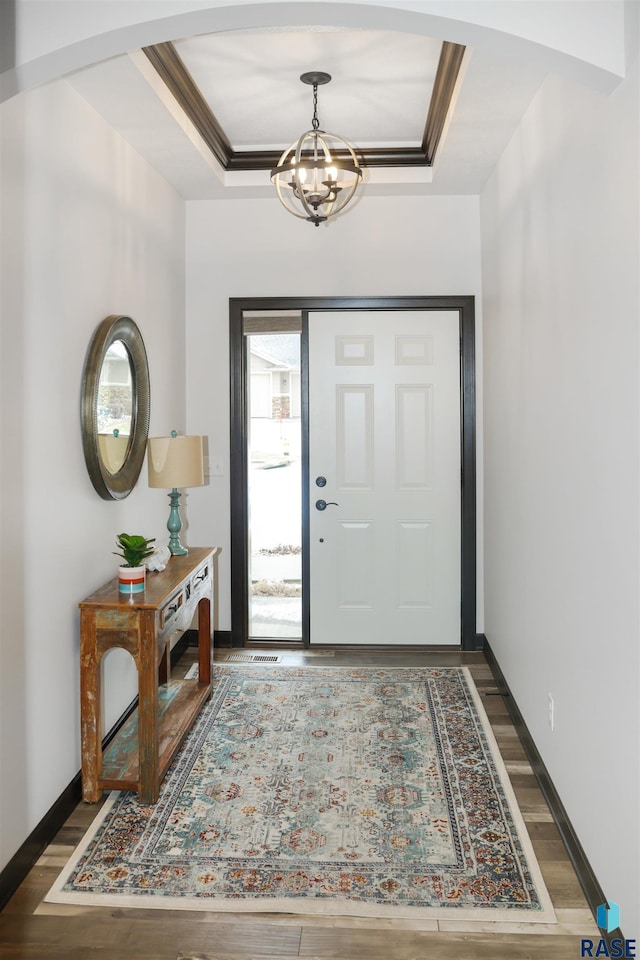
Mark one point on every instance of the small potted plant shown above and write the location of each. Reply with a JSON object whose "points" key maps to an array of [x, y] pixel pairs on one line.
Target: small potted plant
{"points": [[134, 550]]}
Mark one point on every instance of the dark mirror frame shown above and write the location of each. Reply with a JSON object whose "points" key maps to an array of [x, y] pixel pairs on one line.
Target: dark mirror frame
{"points": [[115, 486]]}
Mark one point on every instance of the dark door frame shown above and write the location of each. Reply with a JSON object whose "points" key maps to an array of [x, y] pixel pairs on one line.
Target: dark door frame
{"points": [[465, 307]]}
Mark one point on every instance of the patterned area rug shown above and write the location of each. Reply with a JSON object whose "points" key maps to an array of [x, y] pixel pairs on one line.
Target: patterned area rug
{"points": [[370, 792]]}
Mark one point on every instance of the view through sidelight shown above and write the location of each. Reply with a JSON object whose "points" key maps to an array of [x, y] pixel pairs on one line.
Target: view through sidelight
{"points": [[274, 482]]}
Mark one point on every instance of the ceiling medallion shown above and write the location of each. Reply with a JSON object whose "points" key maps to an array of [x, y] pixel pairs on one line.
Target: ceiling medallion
{"points": [[316, 176]]}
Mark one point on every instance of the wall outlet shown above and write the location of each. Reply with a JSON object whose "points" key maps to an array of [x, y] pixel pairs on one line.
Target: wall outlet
{"points": [[214, 466], [552, 713]]}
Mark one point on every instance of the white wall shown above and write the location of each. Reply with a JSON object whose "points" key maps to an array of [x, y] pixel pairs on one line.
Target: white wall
{"points": [[88, 230], [380, 247], [560, 266]]}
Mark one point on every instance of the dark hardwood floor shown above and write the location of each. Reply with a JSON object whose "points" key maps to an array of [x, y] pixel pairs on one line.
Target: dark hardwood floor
{"points": [[31, 930]]}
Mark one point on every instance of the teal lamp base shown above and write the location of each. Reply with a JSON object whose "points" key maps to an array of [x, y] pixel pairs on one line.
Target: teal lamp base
{"points": [[174, 525]]}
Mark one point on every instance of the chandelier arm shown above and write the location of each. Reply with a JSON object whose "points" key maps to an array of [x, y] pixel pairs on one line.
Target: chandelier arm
{"points": [[288, 208]]}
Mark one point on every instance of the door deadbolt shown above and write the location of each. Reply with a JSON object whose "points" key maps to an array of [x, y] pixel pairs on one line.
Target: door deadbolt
{"points": [[322, 504], [321, 481]]}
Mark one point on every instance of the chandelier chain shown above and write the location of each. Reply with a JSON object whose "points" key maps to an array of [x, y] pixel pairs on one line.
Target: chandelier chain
{"points": [[315, 123]]}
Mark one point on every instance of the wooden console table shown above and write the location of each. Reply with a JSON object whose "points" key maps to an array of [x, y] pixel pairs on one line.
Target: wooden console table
{"points": [[139, 755]]}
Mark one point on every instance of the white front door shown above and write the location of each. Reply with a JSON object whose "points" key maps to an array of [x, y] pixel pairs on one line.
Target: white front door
{"points": [[384, 433]]}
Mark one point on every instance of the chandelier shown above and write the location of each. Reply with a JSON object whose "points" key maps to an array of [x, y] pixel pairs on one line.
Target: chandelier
{"points": [[316, 176]]}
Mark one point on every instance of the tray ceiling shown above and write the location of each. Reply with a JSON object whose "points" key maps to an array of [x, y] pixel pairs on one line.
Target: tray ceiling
{"points": [[212, 113]]}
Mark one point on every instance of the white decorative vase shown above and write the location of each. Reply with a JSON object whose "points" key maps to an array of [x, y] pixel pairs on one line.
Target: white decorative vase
{"points": [[131, 580]]}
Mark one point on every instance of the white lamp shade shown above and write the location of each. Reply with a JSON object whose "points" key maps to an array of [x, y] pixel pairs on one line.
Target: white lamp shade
{"points": [[175, 462]]}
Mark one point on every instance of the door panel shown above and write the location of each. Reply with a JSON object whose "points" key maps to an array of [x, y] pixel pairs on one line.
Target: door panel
{"points": [[355, 577], [384, 429], [354, 450]]}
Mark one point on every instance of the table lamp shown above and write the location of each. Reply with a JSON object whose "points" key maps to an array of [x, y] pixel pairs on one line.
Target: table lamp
{"points": [[175, 462], [113, 449]]}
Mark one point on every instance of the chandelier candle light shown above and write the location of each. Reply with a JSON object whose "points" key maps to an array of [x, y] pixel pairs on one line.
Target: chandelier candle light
{"points": [[175, 462], [316, 176]]}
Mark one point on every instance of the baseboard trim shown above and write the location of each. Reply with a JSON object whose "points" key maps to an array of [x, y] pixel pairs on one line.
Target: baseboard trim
{"points": [[591, 888], [221, 638], [28, 854], [32, 848]]}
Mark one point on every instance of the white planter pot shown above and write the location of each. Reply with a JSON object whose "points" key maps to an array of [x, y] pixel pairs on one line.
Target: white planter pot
{"points": [[131, 580]]}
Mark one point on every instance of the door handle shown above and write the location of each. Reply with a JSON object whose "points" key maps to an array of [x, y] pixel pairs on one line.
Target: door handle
{"points": [[322, 504]]}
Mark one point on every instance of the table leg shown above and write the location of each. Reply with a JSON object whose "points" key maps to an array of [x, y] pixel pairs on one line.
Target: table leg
{"points": [[90, 708], [148, 722], [204, 640]]}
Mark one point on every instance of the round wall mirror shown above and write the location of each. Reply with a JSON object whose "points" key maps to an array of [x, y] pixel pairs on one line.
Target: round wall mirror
{"points": [[115, 407]]}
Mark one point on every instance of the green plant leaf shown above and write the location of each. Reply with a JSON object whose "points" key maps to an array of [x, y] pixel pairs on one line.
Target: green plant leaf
{"points": [[134, 548]]}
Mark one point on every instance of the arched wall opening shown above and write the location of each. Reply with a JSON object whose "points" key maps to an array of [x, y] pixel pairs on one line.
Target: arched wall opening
{"points": [[51, 39]]}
